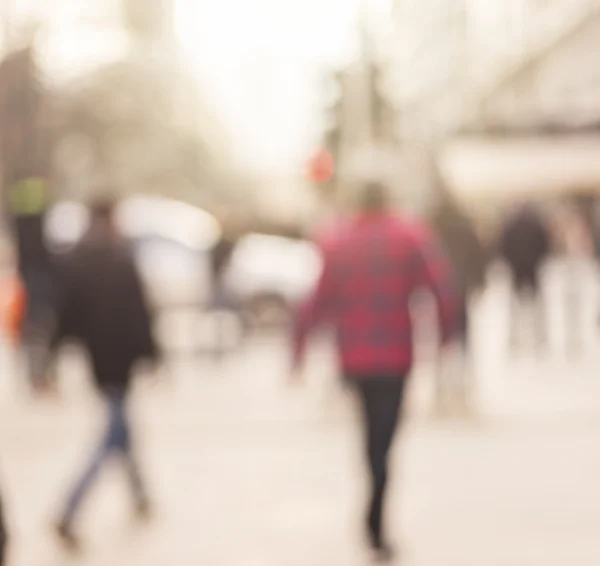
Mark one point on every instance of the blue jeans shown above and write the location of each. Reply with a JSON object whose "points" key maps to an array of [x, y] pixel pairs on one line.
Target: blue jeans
{"points": [[116, 441]]}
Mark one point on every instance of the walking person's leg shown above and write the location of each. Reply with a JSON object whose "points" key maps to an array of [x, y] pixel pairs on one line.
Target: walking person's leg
{"points": [[382, 402], [123, 442], [89, 477], [515, 309], [525, 296], [540, 318], [573, 309], [219, 312], [465, 385]]}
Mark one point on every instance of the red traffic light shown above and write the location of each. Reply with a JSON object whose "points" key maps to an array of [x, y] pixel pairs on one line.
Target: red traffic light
{"points": [[321, 167]]}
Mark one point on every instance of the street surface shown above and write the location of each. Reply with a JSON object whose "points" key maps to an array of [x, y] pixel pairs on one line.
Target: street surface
{"points": [[248, 471]]}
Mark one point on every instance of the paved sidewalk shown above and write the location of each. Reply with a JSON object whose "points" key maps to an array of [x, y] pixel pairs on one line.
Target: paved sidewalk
{"points": [[248, 472]]}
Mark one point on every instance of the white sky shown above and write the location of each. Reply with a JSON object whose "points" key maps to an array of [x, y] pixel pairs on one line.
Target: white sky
{"points": [[259, 61]]}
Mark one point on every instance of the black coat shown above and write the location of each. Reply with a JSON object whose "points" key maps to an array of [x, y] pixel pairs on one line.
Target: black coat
{"points": [[102, 306], [525, 243]]}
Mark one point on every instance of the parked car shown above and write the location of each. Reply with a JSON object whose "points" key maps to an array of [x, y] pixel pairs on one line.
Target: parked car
{"points": [[271, 274]]}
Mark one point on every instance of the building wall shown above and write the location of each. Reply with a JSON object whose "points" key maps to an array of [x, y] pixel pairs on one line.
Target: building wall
{"points": [[427, 46], [561, 88], [450, 54]]}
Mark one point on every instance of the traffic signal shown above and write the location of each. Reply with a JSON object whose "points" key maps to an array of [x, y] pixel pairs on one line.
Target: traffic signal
{"points": [[321, 167]]}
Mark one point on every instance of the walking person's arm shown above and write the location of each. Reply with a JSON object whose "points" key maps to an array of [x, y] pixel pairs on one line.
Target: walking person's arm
{"points": [[310, 314], [433, 271], [146, 347]]}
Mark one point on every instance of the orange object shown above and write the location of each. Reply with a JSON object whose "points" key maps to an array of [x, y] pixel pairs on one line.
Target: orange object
{"points": [[13, 307], [321, 167]]}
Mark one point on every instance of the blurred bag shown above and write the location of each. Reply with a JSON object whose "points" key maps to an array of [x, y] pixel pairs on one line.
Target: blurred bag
{"points": [[13, 307]]}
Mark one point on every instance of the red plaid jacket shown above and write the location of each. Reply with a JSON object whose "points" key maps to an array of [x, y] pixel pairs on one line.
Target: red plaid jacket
{"points": [[365, 289]]}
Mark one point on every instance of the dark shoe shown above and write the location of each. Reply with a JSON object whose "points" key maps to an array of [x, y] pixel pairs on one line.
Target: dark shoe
{"points": [[143, 510], [382, 552], [68, 539]]}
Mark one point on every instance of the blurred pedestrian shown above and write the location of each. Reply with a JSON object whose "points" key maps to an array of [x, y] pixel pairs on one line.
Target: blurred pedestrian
{"points": [[223, 302], [525, 245], [368, 279], [577, 244], [102, 305], [28, 205], [469, 260]]}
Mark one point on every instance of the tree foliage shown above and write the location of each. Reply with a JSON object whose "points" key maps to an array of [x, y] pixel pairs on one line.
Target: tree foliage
{"points": [[143, 127]]}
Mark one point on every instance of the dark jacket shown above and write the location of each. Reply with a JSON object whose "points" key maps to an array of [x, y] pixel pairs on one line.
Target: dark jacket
{"points": [[102, 305], [525, 243]]}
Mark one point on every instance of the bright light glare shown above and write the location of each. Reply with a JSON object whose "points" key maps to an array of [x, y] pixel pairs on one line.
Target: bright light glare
{"points": [[261, 261], [259, 61], [66, 224], [173, 220], [225, 32], [138, 217]]}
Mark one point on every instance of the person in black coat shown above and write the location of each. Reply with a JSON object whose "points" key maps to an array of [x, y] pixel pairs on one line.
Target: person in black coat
{"points": [[102, 306], [469, 259], [525, 244], [223, 300]]}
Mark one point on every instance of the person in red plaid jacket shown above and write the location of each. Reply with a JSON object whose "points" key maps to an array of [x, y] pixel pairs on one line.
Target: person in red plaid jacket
{"points": [[365, 289]]}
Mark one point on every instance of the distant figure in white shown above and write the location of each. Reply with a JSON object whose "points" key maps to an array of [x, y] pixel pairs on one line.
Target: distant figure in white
{"points": [[577, 245], [525, 245]]}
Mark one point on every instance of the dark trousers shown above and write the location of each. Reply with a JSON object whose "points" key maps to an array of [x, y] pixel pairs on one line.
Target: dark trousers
{"points": [[382, 402], [464, 322], [116, 441]]}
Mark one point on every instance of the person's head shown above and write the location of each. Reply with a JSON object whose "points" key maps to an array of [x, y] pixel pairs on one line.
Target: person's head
{"points": [[373, 198], [102, 213]]}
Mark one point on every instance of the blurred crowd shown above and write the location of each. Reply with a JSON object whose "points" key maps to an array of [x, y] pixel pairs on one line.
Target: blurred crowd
{"points": [[382, 92], [374, 261]]}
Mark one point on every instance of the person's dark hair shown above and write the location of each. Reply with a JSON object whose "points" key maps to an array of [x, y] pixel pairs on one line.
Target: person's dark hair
{"points": [[102, 210], [374, 197]]}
